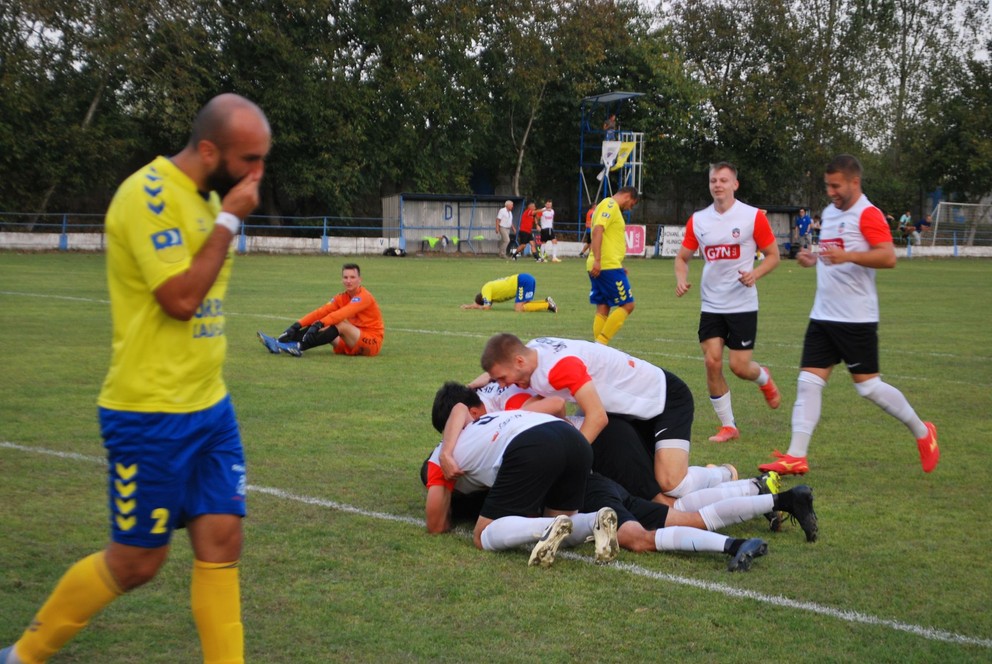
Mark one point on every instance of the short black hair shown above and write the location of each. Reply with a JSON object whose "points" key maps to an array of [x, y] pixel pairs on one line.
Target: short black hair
{"points": [[352, 266], [451, 394], [845, 163]]}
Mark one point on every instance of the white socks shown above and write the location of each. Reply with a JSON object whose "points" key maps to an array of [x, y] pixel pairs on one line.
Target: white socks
{"points": [[806, 412], [736, 510], [697, 500], [510, 532], [513, 531], [724, 410], [893, 402], [684, 538], [697, 478]]}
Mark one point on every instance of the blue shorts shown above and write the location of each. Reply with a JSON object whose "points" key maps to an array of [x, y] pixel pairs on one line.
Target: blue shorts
{"points": [[165, 469], [611, 288], [526, 285]]}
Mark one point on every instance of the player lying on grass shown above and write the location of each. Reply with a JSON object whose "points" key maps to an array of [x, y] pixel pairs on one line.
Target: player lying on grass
{"points": [[517, 287], [534, 467], [644, 525], [351, 321]]}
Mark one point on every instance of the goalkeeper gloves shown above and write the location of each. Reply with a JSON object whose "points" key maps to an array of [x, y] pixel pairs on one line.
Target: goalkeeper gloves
{"points": [[290, 333], [311, 334]]}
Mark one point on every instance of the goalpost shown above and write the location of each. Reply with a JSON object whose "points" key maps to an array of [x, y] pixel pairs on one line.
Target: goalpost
{"points": [[961, 224]]}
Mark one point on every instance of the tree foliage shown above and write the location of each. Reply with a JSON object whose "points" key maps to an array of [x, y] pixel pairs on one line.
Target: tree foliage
{"points": [[371, 97]]}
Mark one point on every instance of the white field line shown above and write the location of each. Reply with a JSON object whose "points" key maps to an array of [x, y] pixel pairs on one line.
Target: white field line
{"points": [[929, 633]]}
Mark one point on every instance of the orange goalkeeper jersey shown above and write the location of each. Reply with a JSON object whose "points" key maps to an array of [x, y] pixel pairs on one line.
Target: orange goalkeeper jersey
{"points": [[361, 310]]}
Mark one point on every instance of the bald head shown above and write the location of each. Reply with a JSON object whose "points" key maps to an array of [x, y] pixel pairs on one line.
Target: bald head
{"points": [[223, 117]]}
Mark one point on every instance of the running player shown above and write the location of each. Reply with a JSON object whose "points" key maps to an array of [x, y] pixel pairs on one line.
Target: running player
{"points": [[351, 321], [727, 233], [855, 240], [548, 233], [525, 234], [610, 288], [517, 287]]}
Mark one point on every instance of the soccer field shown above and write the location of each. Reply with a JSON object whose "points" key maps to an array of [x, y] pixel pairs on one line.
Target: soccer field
{"points": [[337, 564]]}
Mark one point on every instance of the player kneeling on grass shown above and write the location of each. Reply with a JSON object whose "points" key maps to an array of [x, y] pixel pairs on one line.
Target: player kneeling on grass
{"points": [[534, 467], [517, 287], [351, 321]]}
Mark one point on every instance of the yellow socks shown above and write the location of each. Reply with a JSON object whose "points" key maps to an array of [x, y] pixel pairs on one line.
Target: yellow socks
{"points": [[597, 326], [611, 326], [535, 306], [216, 600], [83, 591]]}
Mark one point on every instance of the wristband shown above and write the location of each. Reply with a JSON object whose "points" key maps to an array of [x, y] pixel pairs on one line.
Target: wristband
{"points": [[228, 221]]}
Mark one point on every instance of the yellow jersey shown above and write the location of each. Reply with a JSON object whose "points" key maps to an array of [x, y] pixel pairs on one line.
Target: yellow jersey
{"points": [[156, 223], [614, 247], [499, 290]]}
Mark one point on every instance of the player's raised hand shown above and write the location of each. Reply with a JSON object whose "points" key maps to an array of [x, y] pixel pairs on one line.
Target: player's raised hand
{"points": [[243, 197]]}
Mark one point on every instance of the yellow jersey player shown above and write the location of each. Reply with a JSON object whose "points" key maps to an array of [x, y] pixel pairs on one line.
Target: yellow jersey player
{"points": [[517, 287], [610, 288], [174, 452]]}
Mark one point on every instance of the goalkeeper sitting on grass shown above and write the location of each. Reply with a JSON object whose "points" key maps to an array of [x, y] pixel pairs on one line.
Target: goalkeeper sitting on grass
{"points": [[351, 321]]}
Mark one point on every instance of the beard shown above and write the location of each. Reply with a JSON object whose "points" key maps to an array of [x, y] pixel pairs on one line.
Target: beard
{"points": [[221, 179]]}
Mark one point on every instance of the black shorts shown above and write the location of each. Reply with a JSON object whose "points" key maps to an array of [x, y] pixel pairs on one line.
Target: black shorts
{"points": [[604, 492], [674, 423], [547, 234], [619, 454], [524, 237], [738, 330], [544, 467], [828, 342], [587, 237]]}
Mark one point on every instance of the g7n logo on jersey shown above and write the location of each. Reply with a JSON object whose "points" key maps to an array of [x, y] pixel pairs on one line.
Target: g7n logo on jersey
{"points": [[722, 252]]}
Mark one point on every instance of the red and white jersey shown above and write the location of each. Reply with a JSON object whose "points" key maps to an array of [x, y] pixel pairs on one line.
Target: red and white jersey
{"points": [[496, 398], [481, 446], [547, 218], [626, 384], [846, 293], [728, 243]]}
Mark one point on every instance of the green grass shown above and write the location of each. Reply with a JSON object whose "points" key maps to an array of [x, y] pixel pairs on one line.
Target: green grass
{"points": [[908, 553]]}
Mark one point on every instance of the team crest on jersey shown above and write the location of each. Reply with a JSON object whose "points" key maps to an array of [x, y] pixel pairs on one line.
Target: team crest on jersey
{"points": [[356, 299], [169, 245], [736, 233]]}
